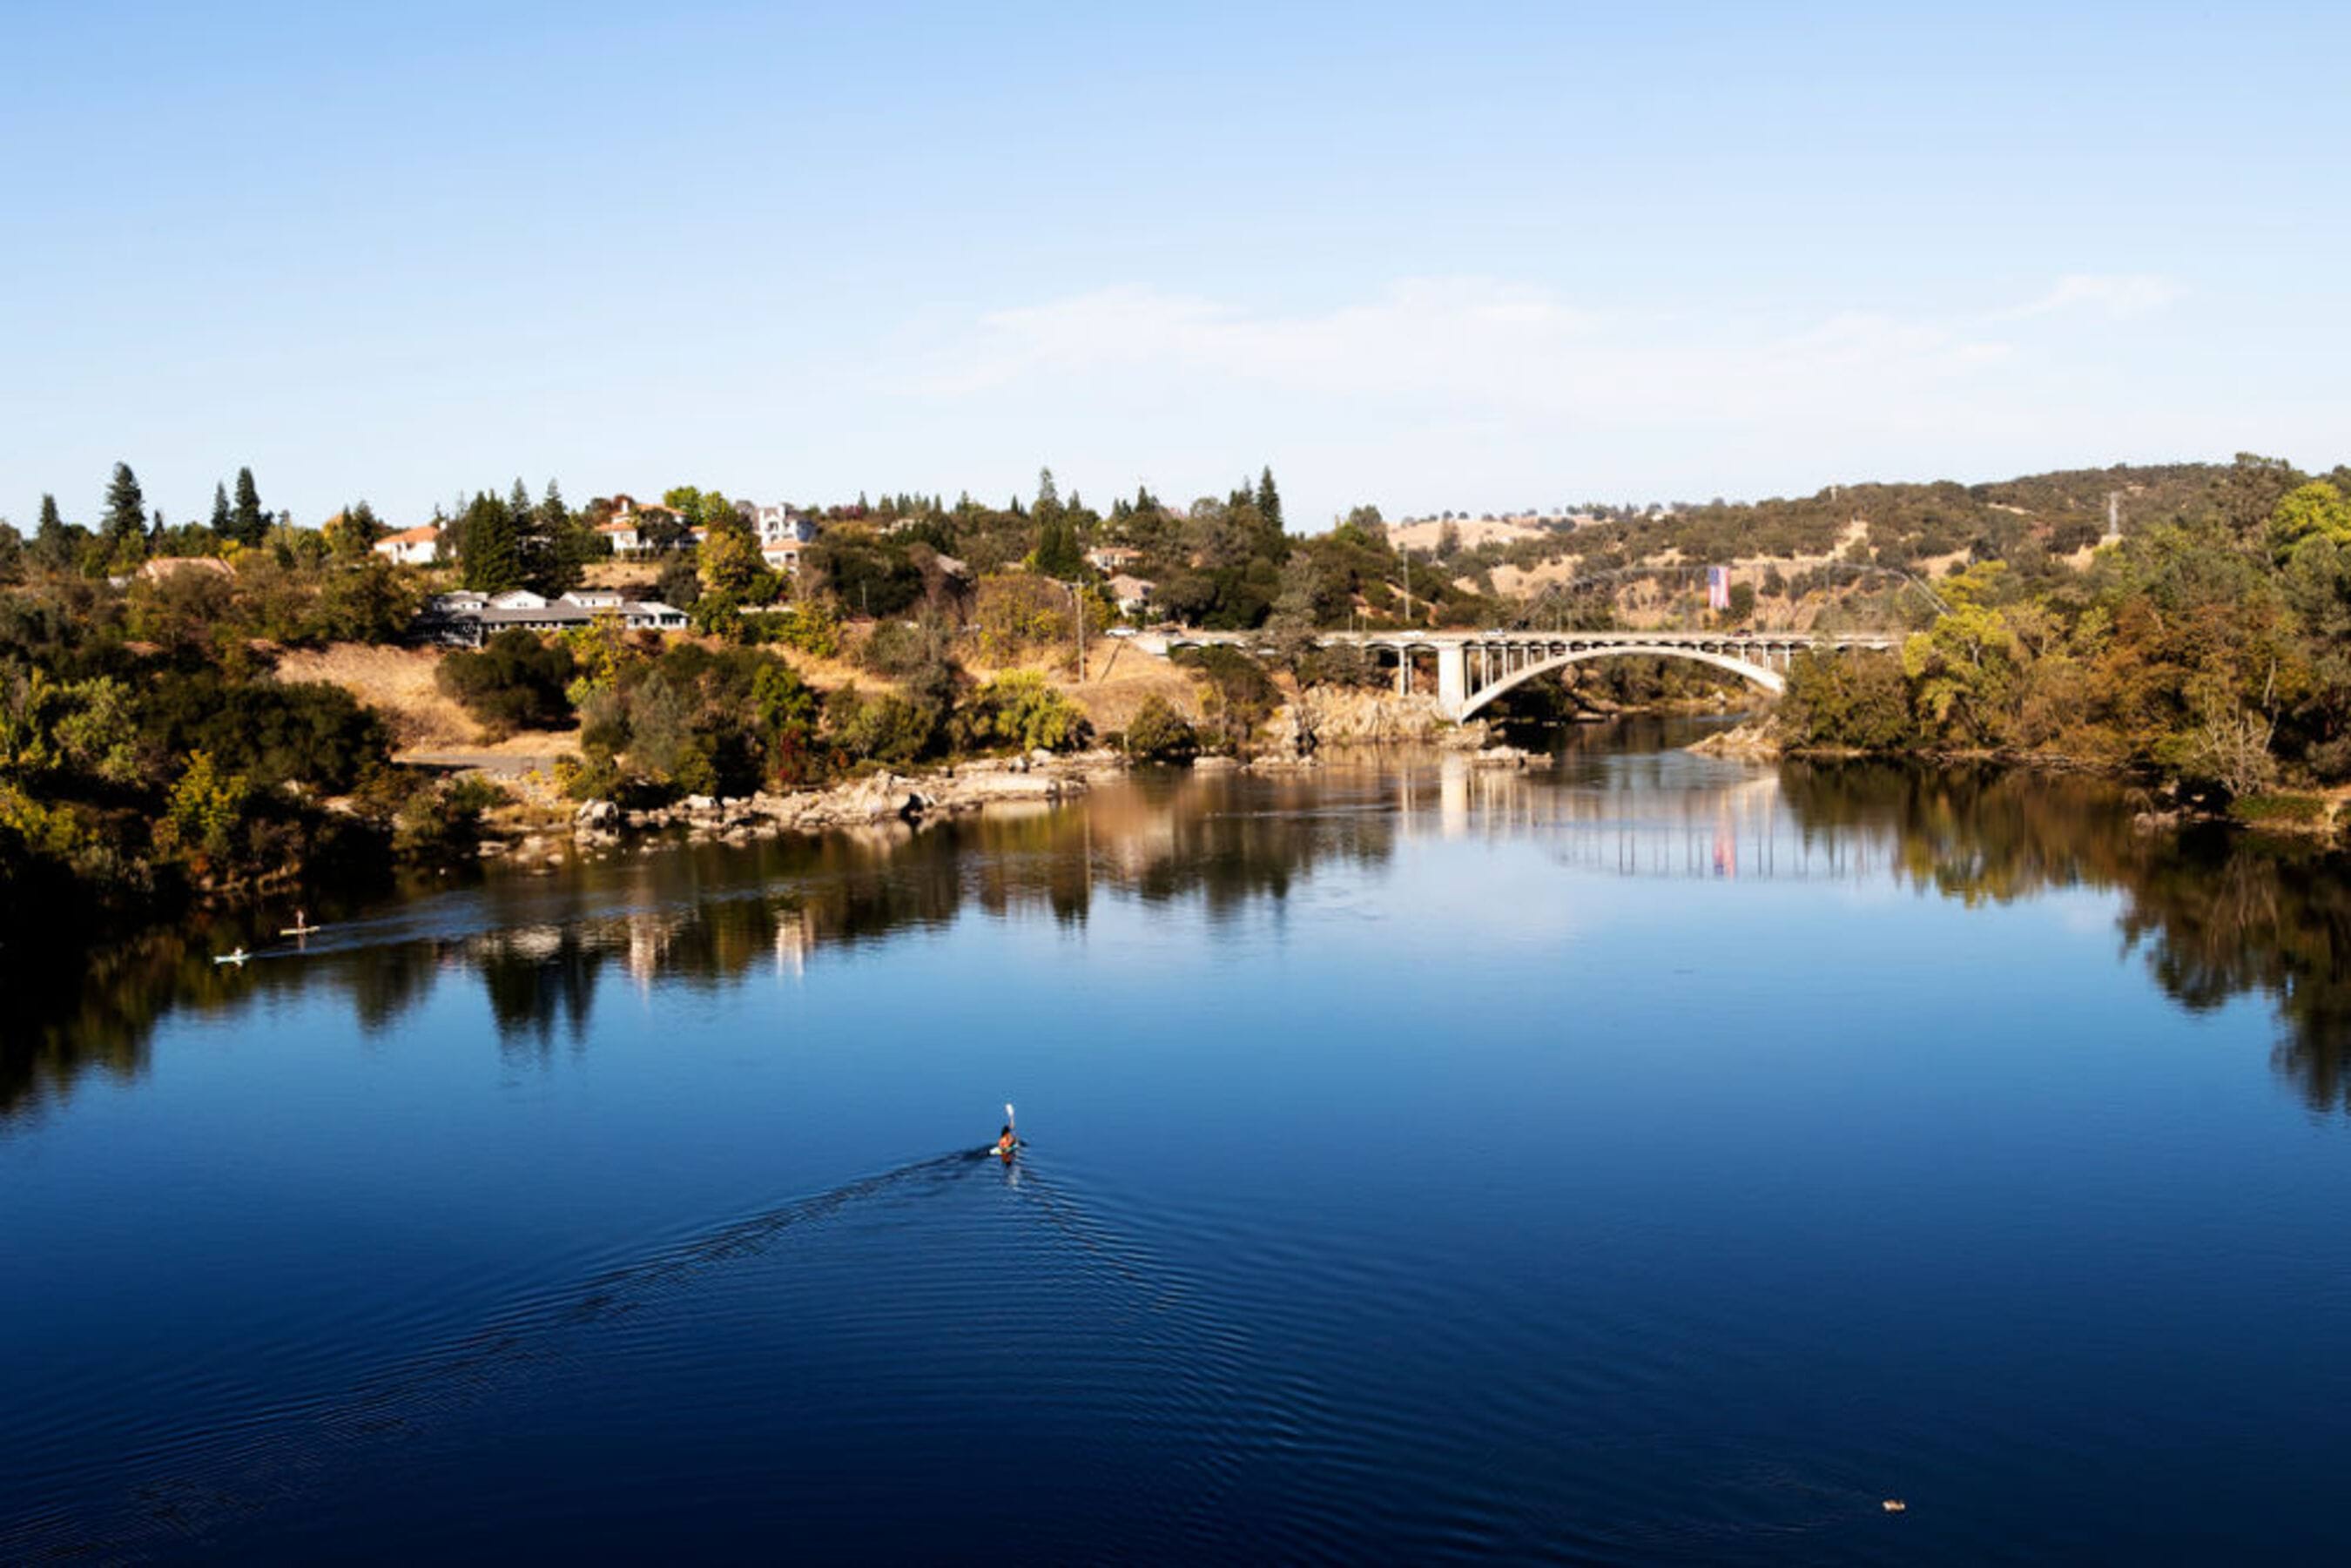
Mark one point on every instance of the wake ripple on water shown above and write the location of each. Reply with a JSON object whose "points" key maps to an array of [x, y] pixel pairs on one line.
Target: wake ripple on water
{"points": [[796, 1324]]}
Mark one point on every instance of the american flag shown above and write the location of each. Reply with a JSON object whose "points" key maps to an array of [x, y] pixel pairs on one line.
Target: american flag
{"points": [[1718, 587]]}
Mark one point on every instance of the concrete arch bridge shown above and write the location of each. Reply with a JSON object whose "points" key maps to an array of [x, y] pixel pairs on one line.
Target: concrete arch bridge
{"points": [[1473, 668]]}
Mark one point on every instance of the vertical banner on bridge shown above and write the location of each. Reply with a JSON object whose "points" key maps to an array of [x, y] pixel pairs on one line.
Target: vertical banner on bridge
{"points": [[1718, 587]]}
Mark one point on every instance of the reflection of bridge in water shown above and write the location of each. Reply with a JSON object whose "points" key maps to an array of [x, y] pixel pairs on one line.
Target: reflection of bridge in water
{"points": [[1652, 816]]}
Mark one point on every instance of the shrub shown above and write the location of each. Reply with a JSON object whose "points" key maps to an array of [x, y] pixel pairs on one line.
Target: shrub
{"points": [[446, 819], [887, 730], [517, 681], [1158, 733], [1020, 710]]}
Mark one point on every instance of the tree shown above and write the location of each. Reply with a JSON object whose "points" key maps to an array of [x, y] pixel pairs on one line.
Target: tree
{"points": [[353, 531], [249, 524], [1058, 555], [1157, 733], [126, 509], [731, 563], [1269, 499], [220, 519], [52, 546], [2315, 509], [491, 551]]}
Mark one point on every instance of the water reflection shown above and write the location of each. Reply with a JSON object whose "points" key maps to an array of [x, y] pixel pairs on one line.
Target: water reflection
{"points": [[2214, 916]]}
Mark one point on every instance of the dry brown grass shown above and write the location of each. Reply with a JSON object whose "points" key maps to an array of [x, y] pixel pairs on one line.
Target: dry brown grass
{"points": [[400, 684], [397, 682], [1118, 679]]}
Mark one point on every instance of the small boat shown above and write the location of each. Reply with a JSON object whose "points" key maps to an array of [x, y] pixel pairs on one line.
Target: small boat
{"points": [[239, 957]]}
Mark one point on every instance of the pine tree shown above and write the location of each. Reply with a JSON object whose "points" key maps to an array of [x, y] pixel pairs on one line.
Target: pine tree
{"points": [[249, 524], [493, 557], [54, 546], [126, 509], [221, 524], [1269, 499]]}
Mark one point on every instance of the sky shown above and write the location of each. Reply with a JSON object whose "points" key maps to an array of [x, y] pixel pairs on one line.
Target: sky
{"points": [[1470, 258]]}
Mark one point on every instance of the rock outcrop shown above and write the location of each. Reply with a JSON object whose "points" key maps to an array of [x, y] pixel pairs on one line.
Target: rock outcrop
{"points": [[877, 798]]}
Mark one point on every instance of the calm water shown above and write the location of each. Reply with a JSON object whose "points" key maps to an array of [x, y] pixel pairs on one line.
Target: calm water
{"points": [[1660, 1158]]}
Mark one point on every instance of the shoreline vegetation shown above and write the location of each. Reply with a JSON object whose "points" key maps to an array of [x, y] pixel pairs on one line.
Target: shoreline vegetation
{"points": [[245, 709]]}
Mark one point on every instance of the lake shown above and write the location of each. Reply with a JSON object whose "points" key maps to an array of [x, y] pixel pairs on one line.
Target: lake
{"points": [[1654, 1157]]}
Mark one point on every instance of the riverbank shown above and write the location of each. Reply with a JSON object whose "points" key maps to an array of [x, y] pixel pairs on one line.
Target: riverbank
{"points": [[2320, 816]]}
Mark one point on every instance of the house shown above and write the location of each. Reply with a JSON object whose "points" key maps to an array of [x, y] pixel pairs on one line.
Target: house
{"points": [[1113, 558], [163, 568], [469, 620], [643, 530], [783, 554], [411, 546], [778, 525], [1131, 594]]}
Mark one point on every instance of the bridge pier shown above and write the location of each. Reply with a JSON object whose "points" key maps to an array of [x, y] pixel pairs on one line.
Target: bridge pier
{"points": [[1453, 679]]}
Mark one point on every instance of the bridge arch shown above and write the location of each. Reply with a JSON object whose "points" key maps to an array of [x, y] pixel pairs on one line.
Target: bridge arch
{"points": [[1769, 679]]}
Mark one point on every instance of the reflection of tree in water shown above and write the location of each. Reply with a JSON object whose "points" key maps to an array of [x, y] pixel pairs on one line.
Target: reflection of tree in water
{"points": [[704, 916], [2218, 915]]}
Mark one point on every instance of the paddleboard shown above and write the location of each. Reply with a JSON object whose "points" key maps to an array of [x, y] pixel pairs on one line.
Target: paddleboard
{"points": [[301, 931]]}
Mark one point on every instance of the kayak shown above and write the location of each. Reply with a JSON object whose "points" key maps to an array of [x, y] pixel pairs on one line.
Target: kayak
{"points": [[1004, 1153], [239, 957]]}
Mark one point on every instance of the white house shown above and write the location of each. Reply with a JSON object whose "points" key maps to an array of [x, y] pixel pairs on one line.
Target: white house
{"points": [[780, 524], [1131, 594], [411, 546]]}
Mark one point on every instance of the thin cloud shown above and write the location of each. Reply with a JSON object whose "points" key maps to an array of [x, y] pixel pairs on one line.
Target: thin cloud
{"points": [[2114, 294], [1474, 345]]}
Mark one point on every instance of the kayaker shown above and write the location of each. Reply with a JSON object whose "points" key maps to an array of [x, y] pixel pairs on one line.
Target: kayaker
{"points": [[1007, 1140]]}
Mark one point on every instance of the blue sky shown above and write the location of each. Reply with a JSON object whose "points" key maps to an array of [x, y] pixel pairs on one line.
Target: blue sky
{"points": [[1467, 257]]}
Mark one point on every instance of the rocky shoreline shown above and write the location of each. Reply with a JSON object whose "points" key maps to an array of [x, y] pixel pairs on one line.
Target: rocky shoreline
{"points": [[1041, 778], [1297, 739]]}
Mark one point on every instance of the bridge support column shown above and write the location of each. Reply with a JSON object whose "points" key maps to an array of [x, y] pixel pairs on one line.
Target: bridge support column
{"points": [[1404, 673], [1453, 679]]}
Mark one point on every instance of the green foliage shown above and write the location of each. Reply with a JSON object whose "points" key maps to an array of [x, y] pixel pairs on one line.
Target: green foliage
{"points": [[489, 545], [249, 524], [1858, 701], [444, 819], [309, 734], [1018, 615], [1241, 696], [2279, 809], [204, 809], [519, 681], [1158, 733], [53, 730], [887, 730], [863, 574], [126, 511], [2314, 511], [1020, 710]]}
